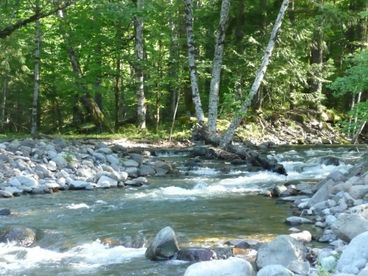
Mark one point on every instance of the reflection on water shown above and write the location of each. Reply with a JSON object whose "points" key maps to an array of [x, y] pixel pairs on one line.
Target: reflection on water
{"points": [[205, 207]]}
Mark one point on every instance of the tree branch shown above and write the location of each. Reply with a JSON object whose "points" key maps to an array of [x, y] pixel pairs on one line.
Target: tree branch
{"points": [[8, 30]]}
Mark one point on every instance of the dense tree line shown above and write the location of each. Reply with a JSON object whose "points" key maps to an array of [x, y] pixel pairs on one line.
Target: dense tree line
{"points": [[74, 64]]}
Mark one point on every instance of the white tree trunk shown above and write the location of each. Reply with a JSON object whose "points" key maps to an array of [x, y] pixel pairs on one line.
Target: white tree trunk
{"points": [[192, 62], [216, 67], [229, 134], [36, 90], [139, 73]]}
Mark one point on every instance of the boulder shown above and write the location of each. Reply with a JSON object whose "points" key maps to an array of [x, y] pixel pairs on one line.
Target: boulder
{"points": [[164, 245], [354, 257], [322, 194], [348, 226], [304, 236], [4, 212], [275, 270], [113, 160], [146, 170], [195, 254], [106, 182], [162, 168], [5, 194], [330, 161], [130, 163], [80, 185], [232, 266], [284, 250], [60, 162], [19, 235], [297, 221], [137, 182]]}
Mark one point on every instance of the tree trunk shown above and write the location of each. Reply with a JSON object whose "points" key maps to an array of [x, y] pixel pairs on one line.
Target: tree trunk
{"points": [[117, 90], [229, 134], [139, 73], [3, 104], [192, 62], [216, 67], [37, 67]]}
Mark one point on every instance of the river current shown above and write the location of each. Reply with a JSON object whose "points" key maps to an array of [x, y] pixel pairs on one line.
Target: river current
{"points": [[205, 205]]}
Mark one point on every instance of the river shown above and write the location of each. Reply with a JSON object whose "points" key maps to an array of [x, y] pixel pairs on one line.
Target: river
{"points": [[206, 206]]}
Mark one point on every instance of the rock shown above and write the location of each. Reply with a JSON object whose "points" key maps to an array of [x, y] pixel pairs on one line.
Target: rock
{"points": [[328, 263], [80, 185], [5, 194], [4, 212], [358, 191], [99, 157], [162, 168], [113, 160], [164, 245], [279, 189], [130, 163], [297, 221], [304, 236], [195, 254], [23, 182], [42, 171], [348, 226], [132, 171], [14, 191], [137, 182], [330, 161], [232, 266], [146, 170], [355, 256], [283, 250], [21, 236], [274, 270], [322, 194], [137, 157], [52, 166], [223, 252], [60, 162], [106, 182]]}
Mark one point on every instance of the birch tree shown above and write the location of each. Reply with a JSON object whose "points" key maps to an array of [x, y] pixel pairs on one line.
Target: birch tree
{"points": [[139, 73], [192, 61], [229, 134], [37, 67], [216, 67]]}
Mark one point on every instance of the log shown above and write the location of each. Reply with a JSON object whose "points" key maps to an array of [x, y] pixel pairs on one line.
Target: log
{"points": [[232, 152]]}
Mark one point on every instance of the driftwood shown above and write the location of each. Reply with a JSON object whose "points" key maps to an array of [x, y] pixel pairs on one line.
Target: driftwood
{"points": [[233, 153]]}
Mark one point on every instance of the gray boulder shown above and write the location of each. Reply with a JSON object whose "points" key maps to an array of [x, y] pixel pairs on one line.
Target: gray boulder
{"points": [[137, 182], [298, 220], [164, 245], [348, 226], [4, 212], [162, 168], [354, 257], [106, 182], [275, 270], [232, 266], [284, 250], [195, 254], [146, 170], [5, 194], [322, 194], [20, 235]]}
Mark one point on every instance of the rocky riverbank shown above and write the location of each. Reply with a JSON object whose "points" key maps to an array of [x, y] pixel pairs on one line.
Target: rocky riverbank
{"points": [[46, 166]]}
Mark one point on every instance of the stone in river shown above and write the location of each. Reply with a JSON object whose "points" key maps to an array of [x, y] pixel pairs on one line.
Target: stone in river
{"points": [[4, 212], [275, 270], [164, 245], [195, 254], [297, 221], [22, 236]]}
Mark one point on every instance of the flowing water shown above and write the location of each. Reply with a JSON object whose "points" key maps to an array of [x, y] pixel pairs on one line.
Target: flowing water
{"points": [[206, 206]]}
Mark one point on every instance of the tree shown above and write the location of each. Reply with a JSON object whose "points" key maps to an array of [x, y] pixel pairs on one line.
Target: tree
{"points": [[229, 134], [37, 68], [139, 72], [192, 61], [216, 67]]}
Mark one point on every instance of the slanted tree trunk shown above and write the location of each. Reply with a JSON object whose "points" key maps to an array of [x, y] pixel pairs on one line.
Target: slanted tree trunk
{"points": [[139, 72], [216, 67], [229, 134], [192, 61], [37, 67]]}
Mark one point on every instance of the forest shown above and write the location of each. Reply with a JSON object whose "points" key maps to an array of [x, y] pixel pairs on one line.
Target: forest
{"points": [[77, 66]]}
